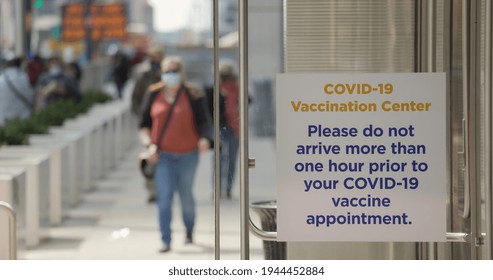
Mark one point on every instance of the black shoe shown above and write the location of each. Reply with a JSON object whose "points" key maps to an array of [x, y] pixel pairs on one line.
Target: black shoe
{"points": [[189, 239], [228, 195], [151, 199], [166, 248]]}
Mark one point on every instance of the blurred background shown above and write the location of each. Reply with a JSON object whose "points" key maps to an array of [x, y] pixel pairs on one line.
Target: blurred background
{"points": [[69, 27], [89, 36], [94, 36]]}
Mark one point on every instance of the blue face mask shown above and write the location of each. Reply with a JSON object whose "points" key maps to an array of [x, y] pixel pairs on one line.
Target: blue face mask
{"points": [[55, 70], [171, 79]]}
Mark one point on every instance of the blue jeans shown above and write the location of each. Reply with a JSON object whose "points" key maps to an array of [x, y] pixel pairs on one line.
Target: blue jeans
{"points": [[229, 152], [175, 172]]}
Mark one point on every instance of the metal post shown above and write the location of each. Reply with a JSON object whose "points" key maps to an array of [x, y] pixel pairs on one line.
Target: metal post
{"points": [[88, 29], [446, 58], [19, 28], [465, 82], [424, 63], [217, 167], [432, 26], [1, 26], [476, 90], [431, 67], [473, 129], [419, 37], [244, 157], [28, 17], [488, 115]]}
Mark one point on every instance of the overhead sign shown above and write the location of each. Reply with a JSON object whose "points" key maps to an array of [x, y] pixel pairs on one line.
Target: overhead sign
{"points": [[361, 157], [106, 21]]}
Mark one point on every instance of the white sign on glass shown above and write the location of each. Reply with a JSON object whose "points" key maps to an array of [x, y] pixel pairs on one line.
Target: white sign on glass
{"points": [[361, 157]]}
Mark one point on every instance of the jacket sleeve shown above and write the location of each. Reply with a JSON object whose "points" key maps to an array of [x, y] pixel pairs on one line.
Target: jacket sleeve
{"points": [[202, 117], [138, 94], [146, 120]]}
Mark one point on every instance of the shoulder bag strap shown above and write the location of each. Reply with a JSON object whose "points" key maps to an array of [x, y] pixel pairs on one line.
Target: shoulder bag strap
{"points": [[17, 93], [168, 119]]}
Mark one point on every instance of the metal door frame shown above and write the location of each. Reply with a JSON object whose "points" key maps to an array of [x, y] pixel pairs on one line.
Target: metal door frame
{"points": [[426, 62], [246, 224], [488, 130], [243, 143]]}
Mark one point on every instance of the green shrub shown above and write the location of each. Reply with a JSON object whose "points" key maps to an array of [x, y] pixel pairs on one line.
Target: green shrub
{"points": [[16, 132], [13, 132]]}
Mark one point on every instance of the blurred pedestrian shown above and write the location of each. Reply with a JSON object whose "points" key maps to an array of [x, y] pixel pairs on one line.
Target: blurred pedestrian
{"points": [[151, 76], [229, 123], [55, 84], [230, 130], [155, 55], [178, 111], [17, 97], [71, 65], [35, 68], [120, 71], [137, 57], [73, 70]]}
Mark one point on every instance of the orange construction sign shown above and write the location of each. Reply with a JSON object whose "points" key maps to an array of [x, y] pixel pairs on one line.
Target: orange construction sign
{"points": [[105, 22]]}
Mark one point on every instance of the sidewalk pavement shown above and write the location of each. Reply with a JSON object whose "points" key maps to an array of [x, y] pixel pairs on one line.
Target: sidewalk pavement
{"points": [[115, 221]]}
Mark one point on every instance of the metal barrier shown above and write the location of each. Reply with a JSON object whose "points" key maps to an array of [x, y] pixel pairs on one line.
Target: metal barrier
{"points": [[13, 229]]}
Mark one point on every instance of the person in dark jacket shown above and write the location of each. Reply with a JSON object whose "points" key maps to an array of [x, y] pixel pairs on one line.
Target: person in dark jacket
{"points": [[177, 152], [120, 72], [151, 76], [54, 84], [155, 55]]}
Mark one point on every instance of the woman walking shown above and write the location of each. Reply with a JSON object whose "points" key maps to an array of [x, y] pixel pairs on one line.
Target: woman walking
{"points": [[176, 124]]}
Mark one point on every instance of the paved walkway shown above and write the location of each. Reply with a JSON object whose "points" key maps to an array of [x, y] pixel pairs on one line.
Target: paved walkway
{"points": [[115, 221]]}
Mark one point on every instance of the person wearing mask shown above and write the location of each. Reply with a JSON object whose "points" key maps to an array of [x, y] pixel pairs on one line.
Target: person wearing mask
{"points": [[181, 109], [151, 76], [17, 97], [54, 84]]}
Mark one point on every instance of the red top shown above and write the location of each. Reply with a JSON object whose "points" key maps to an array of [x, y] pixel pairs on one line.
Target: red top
{"points": [[181, 136], [231, 90]]}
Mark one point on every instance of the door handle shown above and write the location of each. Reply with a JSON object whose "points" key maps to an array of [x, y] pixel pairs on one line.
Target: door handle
{"points": [[466, 212], [262, 234], [458, 237]]}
